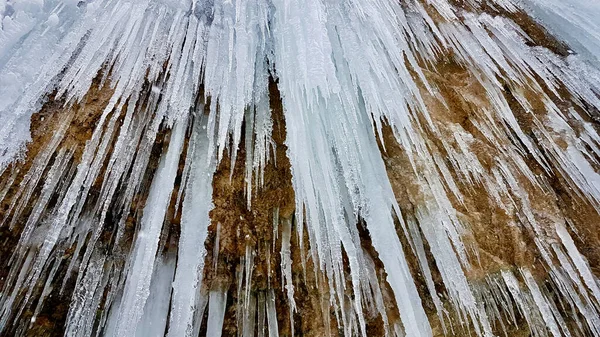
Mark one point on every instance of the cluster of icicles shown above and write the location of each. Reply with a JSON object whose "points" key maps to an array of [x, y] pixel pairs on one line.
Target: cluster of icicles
{"points": [[344, 69]]}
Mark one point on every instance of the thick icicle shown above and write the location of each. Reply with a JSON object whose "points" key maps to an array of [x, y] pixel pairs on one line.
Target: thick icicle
{"points": [[216, 312], [154, 320], [194, 230], [137, 286]]}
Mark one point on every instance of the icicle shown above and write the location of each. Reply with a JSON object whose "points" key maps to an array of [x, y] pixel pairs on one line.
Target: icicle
{"points": [[48, 288], [194, 231], [424, 265], [543, 305], [579, 261], [275, 226], [216, 312], [216, 247], [137, 287], [261, 315], [249, 323], [154, 319], [86, 298], [272, 314], [375, 289], [286, 266]]}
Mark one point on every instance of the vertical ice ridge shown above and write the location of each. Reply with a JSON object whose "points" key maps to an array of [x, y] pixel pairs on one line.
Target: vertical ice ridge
{"points": [[286, 264], [525, 304], [143, 254], [550, 316], [580, 263], [216, 312], [194, 231], [82, 311], [154, 320]]}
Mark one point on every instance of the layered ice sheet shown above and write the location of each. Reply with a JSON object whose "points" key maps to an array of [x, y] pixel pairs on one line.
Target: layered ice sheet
{"points": [[575, 22]]}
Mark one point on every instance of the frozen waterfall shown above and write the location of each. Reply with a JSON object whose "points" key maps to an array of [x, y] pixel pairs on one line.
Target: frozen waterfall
{"points": [[299, 168]]}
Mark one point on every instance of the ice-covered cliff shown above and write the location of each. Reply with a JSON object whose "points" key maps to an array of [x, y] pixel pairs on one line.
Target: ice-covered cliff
{"points": [[300, 168]]}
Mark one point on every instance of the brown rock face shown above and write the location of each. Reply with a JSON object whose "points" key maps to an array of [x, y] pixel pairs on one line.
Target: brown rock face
{"points": [[58, 133]]}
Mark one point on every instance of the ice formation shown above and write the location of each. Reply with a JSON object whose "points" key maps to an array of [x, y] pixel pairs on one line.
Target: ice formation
{"points": [[368, 116]]}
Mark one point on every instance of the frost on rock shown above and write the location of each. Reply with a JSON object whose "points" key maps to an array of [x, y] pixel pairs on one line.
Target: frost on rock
{"points": [[443, 159]]}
